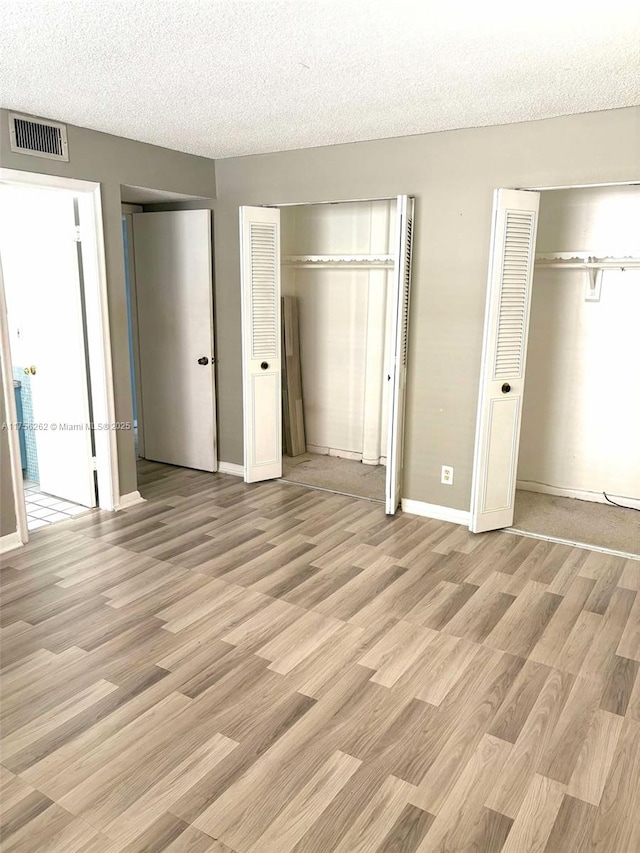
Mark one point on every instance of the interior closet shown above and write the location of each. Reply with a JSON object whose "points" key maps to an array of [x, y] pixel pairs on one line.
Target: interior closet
{"points": [[581, 411], [336, 262]]}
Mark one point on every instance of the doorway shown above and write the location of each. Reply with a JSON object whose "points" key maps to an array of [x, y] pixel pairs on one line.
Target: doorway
{"points": [[579, 459], [564, 302], [335, 352], [55, 360], [336, 266]]}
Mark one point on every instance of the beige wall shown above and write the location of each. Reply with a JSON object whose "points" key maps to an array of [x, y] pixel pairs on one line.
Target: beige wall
{"points": [[113, 161], [452, 175]]}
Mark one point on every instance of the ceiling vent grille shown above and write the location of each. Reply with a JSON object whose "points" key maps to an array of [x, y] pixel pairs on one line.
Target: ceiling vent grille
{"points": [[38, 138]]}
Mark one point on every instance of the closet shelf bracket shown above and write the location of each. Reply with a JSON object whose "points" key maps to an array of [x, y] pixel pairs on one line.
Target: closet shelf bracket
{"points": [[593, 284]]}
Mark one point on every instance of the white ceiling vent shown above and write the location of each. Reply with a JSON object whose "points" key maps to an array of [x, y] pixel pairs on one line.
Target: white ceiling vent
{"points": [[38, 138]]}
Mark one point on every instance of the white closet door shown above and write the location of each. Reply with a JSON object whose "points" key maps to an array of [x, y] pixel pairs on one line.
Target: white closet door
{"points": [[513, 237], [398, 368], [262, 392], [174, 291]]}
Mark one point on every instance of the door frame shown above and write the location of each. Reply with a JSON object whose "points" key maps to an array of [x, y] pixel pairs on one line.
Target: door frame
{"points": [[281, 205], [101, 391], [538, 189], [127, 215]]}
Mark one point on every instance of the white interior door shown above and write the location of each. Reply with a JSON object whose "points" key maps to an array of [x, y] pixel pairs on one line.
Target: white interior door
{"points": [[174, 289], [262, 392], [397, 372], [504, 352], [38, 241]]}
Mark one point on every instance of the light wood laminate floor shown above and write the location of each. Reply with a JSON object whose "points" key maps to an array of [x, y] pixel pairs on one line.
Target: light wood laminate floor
{"points": [[269, 669]]}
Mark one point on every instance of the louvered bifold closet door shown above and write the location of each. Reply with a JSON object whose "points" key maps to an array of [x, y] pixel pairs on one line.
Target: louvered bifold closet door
{"points": [[397, 372], [515, 219], [262, 393]]}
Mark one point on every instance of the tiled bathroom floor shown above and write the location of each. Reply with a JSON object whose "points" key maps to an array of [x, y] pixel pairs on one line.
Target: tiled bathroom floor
{"points": [[44, 509]]}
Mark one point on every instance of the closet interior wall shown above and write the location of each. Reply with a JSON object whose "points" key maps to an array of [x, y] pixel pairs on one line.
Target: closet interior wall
{"points": [[581, 413], [343, 315]]}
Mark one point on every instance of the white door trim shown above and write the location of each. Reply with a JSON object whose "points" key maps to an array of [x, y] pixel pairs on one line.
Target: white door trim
{"points": [[99, 355], [127, 216]]}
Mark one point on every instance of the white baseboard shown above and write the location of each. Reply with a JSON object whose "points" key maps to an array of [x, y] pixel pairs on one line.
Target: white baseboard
{"points": [[130, 499], [319, 450], [345, 454], [441, 513], [231, 468], [10, 542], [581, 495], [316, 448]]}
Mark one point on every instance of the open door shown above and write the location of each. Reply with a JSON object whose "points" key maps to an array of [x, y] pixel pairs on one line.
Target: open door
{"points": [[262, 392], [504, 352], [174, 291], [397, 372], [40, 258]]}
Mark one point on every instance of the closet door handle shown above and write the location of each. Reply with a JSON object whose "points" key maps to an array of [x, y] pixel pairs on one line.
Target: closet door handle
{"points": [[203, 360], [506, 388], [264, 365]]}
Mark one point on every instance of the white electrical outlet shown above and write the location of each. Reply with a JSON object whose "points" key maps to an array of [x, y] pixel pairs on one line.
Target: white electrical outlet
{"points": [[446, 475]]}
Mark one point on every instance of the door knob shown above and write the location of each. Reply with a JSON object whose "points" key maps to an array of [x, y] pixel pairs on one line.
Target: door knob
{"points": [[31, 370], [203, 360], [506, 388], [264, 365]]}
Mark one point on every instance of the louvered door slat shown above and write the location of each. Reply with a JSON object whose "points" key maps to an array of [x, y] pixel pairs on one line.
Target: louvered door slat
{"points": [[263, 290], [517, 246]]}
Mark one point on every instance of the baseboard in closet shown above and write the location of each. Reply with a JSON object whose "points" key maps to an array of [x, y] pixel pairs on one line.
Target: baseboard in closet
{"points": [[343, 454], [596, 497]]}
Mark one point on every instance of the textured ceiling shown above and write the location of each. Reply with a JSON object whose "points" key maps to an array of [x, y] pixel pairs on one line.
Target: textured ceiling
{"points": [[223, 77]]}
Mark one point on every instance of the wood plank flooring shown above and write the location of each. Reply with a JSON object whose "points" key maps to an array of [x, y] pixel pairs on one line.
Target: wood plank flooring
{"points": [[234, 668]]}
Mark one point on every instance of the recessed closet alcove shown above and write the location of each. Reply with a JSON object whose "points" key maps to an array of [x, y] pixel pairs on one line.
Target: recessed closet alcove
{"points": [[337, 264], [581, 412]]}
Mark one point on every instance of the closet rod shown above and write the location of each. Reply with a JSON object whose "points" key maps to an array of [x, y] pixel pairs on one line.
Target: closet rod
{"points": [[594, 268], [343, 259], [387, 265], [586, 265], [370, 261]]}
